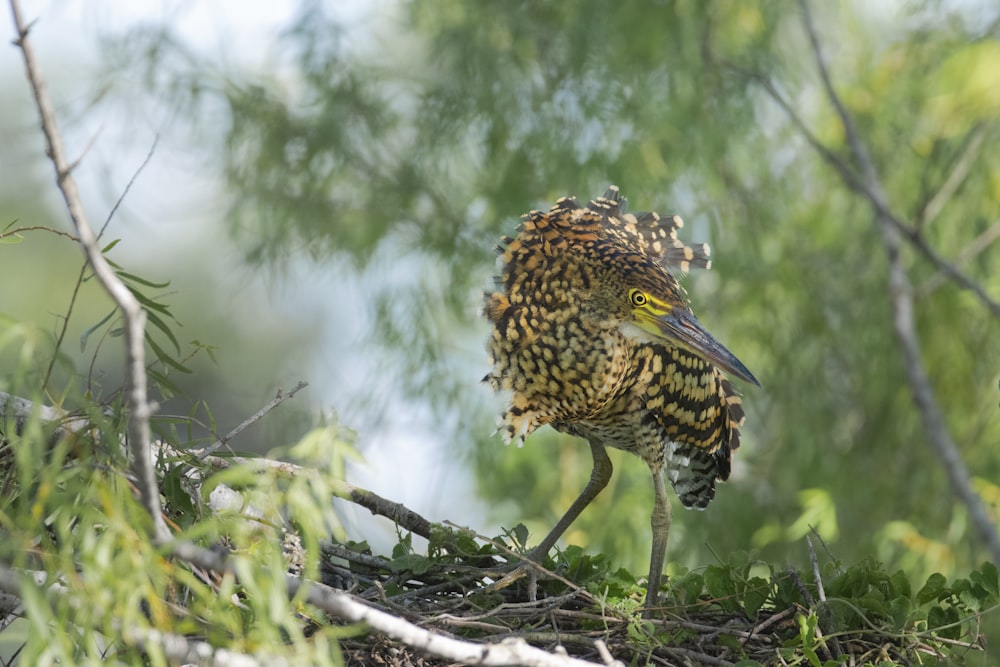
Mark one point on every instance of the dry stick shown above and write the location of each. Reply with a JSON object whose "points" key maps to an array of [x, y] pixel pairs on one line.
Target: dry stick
{"points": [[398, 513], [133, 315], [901, 296], [348, 608], [823, 611], [280, 398]]}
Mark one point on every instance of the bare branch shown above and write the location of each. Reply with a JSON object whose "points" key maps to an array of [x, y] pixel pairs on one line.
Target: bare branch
{"points": [[398, 513], [858, 184], [514, 651], [133, 315], [348, 608], [279, 398], [968, 253], [17, 231], [959, 172], [901, 297]]}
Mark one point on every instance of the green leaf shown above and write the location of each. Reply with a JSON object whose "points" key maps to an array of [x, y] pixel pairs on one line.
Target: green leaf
{"points": [[131, 277], [146, 301], [108, 248], [721, 587], [900, 611], [933, 589], [986, 578], [688, 589], [94, 327], [900, 584], [413, 563], [161, 355], [757, 592], [520, 533], [938, 617], [155, 320]]}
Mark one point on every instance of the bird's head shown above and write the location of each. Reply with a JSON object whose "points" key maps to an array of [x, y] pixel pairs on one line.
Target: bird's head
{"points": [[645, 303], [662, 316]]}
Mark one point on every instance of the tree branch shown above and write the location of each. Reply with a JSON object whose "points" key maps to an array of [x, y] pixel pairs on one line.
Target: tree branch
{"points": [[347, 607], [959, 172], [901, 297], [968, 253], [133, 315], [859, 185], [280, 398]]}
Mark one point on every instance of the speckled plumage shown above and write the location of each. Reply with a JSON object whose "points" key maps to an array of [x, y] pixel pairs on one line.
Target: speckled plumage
{"points": [[559, 345], [592, 334]]}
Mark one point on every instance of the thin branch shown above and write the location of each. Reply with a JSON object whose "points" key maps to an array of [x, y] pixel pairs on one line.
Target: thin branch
{"points": [[508, 652], [348, 608], [132, 313], [279, 398], [959, 172], [968, 253], [901, 297], [821, 591], [398, 513], [859, 185], [128, 186], [17, 231]]}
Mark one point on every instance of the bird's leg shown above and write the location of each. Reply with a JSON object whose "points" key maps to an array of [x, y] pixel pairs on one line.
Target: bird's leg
{"points": [[599, 477], [660, 521]]}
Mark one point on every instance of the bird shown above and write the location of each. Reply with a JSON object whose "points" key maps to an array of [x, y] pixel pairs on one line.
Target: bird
{"points": [[592, 334]]}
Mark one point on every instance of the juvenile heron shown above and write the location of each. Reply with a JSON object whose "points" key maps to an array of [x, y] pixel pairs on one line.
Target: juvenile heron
{"points": [[592, 334]]}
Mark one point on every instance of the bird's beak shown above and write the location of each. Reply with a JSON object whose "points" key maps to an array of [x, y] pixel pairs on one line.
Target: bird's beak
{"points": [[681, 328]]}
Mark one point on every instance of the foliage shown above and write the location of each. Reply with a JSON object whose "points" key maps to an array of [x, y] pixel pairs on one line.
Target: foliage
{"points": [[742, 610], [406, 152], [410, 149], [70, 514]]}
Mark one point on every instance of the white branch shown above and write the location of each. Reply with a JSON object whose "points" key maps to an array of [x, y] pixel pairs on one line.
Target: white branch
{"points": [[133, 316], [514, 651]]}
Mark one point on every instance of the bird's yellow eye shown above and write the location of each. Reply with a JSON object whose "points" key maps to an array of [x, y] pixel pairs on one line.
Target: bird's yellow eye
{"points": [[637, 298]]}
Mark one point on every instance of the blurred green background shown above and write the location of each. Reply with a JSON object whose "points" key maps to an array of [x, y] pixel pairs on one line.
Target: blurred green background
{"points": [[329, 180]]}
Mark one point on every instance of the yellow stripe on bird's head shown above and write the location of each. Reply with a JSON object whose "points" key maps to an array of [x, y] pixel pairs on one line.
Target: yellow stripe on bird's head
{"points": [[674, 323]]}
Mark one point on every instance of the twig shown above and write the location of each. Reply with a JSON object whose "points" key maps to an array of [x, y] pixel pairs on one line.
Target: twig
{"points": [[901, 296], [959, 171], [508, 652], [348, 608], [602, 650], [133, 315], [526, 565], [16, 231], [853, 181], [697, 656], [821, 591], [398, 513], [83, 269], [968, 253], [279, 398], [760, 627]]}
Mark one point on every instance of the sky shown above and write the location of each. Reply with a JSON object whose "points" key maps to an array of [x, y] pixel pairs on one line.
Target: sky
{"points": [[175, 202]]}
